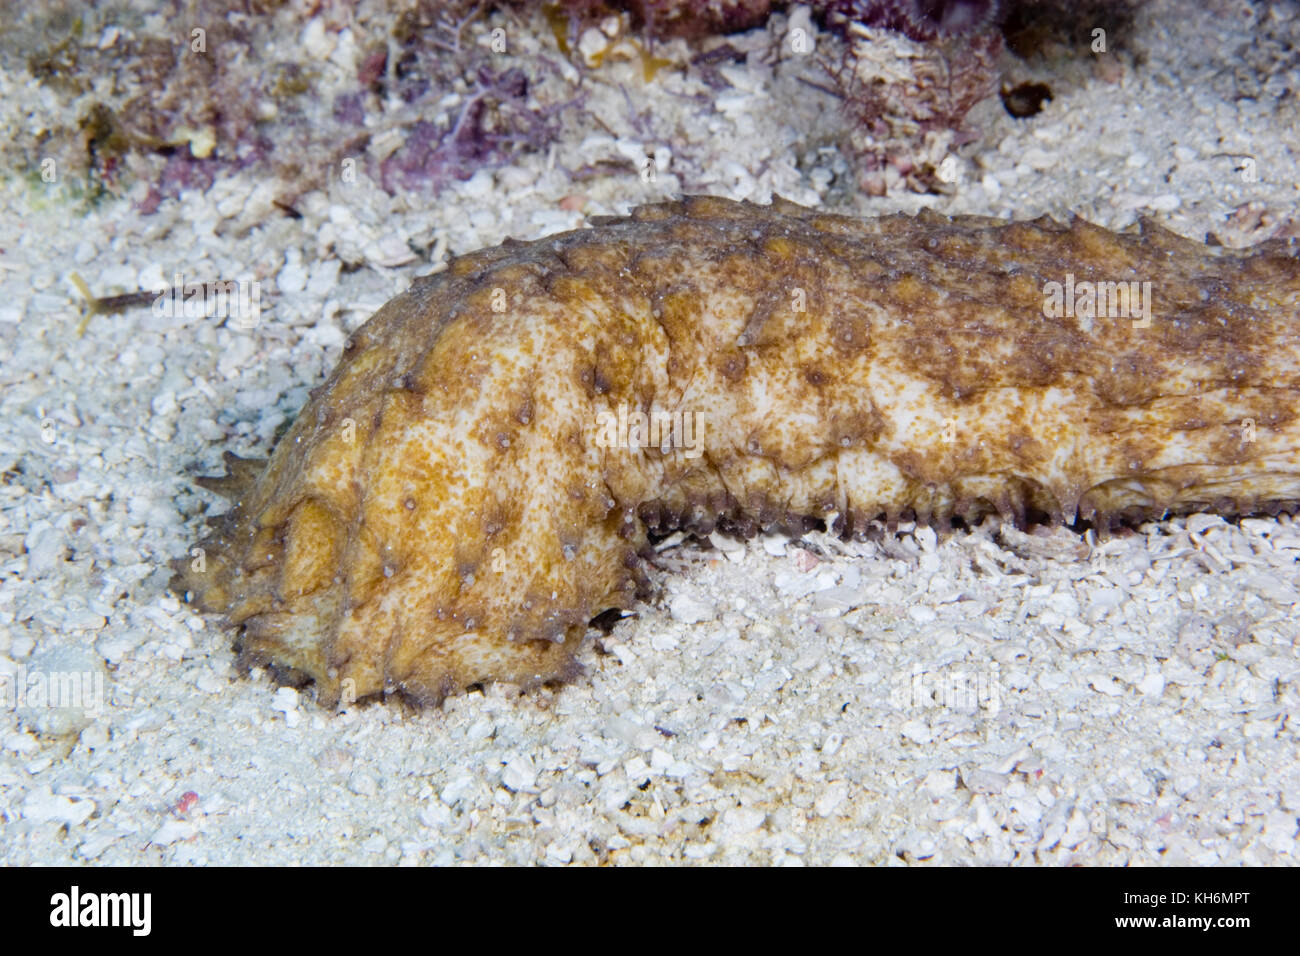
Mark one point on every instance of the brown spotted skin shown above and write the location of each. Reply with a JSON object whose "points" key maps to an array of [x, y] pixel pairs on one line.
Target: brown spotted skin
{"points": [[442, 512]]}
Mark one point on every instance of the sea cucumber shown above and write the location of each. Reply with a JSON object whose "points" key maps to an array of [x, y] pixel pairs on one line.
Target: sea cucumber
{"points": [[479, 476]]}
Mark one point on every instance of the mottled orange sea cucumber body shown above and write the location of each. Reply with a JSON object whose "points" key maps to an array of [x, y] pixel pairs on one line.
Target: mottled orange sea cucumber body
{"points": [[478, 476]]}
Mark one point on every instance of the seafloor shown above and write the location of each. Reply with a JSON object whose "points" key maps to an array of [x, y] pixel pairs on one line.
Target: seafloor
{"points": [[992, 697]]}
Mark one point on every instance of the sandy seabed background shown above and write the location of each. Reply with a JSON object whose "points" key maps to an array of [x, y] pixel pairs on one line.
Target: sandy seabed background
{"points": [[989, 696]]}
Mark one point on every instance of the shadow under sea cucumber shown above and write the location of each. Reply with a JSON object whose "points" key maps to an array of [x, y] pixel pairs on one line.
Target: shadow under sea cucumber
{"points": [[478, 477]]}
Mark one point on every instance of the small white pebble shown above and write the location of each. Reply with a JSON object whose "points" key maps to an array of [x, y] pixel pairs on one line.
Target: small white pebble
{"points": [[292, 277], [939, 781], [831, 799], [922, 614], [519, 774], [42, 804], [363, 783], [1152, 685], [171, 831], [688, 609]]}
